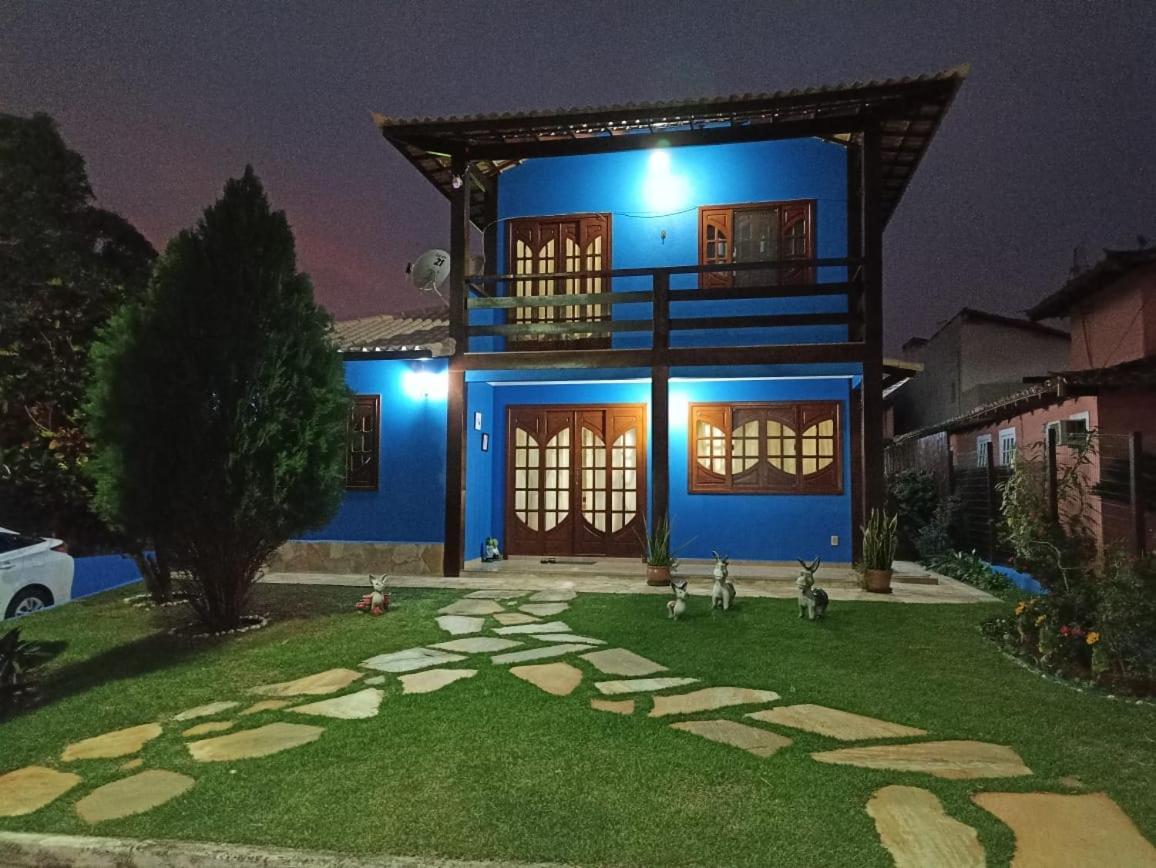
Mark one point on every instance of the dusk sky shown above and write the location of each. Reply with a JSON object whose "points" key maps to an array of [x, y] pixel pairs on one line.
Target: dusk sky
{"points": [[1049, 145]]}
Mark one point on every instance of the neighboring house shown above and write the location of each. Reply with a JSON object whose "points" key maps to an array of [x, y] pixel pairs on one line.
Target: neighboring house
{"points": [[680, 315], [1106, 385], [973, 359]]}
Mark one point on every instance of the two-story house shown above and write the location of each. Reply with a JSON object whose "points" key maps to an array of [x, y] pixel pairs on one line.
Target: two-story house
{"points": [[680, 315]]}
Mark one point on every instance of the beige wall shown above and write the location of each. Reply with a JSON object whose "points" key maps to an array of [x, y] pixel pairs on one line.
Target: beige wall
{"points": [[1116, 325]]}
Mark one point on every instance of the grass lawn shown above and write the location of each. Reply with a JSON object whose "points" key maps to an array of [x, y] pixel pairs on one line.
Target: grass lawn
{"points": [[493, 768]]}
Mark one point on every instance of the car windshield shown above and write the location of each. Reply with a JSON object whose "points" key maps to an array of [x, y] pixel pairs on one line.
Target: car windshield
{"points": [[9, 542]]}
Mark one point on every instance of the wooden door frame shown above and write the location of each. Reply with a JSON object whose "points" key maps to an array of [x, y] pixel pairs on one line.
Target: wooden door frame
{"points": [[643, 488]]}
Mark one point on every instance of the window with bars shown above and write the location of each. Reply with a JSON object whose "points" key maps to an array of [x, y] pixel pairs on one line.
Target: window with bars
{"points": [[763, 231], [362, 458], [784, 448]]}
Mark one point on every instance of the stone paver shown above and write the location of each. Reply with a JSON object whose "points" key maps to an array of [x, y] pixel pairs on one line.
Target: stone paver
{"points": [[460, 625], [318, 684], [509, 619], [953, 760], [568, 637], [614, 706], [708, 699], [918, 833], [477, 645], [433, 679], [410, 659], [351, 706], [121, 742], [1056, 830], [752, 739], [640, 685], [619, 661], [131, 765], [538, 653], [560, 679], [548, 627], [554, 595], [248, 743], [264, 705], [495, 594], [205, 710], [208, 728], [30, 789], [142, 792], [374, 681], [834, 723], [544, 609], [471, 607]]}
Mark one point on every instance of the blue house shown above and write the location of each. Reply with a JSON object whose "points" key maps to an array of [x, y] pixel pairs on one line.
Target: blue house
{"points": [[679, 315]]}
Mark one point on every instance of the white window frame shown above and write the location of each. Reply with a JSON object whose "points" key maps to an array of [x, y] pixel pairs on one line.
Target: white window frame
{"points": [[980, 452], [1007, 435]]}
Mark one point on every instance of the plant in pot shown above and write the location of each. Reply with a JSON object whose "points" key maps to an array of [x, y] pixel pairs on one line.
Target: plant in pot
{"points": [[879, 540], [658, 554]]}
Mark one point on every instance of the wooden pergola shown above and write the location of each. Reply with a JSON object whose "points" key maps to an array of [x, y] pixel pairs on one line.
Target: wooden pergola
{"points": [[886, 127]]}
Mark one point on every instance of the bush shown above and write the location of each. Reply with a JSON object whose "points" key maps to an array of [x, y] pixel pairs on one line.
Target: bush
{"points": [[970, 568], [1125, 618], [18, 660], [912, 496]]}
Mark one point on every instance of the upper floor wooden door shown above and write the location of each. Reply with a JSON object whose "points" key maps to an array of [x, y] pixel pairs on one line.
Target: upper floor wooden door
{"points": [[576, 480], [560, 245]]}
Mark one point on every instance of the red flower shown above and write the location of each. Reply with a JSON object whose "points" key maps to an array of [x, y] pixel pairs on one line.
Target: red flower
{"points": [[1064, 631]]}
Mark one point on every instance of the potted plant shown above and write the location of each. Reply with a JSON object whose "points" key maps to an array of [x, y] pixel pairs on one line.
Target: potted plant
{"points": [[879, 541], [657, 553]]}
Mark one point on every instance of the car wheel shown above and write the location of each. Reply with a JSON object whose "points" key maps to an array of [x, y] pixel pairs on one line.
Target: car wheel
{"points": [[27, 601]]}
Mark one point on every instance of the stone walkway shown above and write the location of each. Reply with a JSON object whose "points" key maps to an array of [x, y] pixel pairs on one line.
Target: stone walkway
{"points": [[912, 823]]}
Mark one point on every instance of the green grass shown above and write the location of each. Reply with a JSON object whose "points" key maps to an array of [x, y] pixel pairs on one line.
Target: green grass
{"points": [[492, 768]]}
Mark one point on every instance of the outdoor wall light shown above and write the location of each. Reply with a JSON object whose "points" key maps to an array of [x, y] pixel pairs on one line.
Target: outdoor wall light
{"points": [[663, 190], [422, 384]]}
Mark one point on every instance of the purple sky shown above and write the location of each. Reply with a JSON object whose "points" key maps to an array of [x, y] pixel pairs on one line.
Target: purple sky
{"points": [[1050, 144]]}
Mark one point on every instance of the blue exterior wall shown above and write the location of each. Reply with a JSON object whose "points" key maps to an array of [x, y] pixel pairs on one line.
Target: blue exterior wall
{"points": [[409, 504], [647, 196], [97, 573]]}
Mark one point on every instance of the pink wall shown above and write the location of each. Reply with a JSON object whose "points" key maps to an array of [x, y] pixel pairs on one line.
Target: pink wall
{"points": [[1116, 325], [1029, 426]]}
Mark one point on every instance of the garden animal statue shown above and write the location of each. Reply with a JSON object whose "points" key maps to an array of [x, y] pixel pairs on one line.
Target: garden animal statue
{"points": [[723, 593], [812, 601], [490, 551], [376, 601], [677, 606]]}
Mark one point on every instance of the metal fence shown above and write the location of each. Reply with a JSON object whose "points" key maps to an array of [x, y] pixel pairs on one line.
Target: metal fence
{"points": [[1118, 506]]}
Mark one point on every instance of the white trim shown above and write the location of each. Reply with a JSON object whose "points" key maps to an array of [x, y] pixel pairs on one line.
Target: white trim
{"points": [[979, 452], [1007, 435], [1084, 417]]}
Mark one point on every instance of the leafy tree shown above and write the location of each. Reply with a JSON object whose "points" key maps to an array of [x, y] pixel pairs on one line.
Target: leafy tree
{"points": [[65, 265], [218, 405]]}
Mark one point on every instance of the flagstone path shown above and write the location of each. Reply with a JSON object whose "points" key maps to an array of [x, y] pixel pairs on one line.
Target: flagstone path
{"points": [[918, 833], [1051, 829], [131, 765], [135, 795]]}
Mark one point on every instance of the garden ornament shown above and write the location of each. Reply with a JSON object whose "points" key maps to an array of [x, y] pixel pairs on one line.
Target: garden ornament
{"points": [[812, 601], [490, 551], [377, 601], [723, 593], [677, 606]]}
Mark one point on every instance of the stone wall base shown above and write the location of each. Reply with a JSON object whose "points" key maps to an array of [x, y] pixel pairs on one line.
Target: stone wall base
{"points": [[337, 556]]}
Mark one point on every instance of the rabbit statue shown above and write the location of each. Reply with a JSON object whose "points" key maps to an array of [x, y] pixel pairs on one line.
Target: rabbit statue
{"points": [[723, 593], [812, 601], [376, 601], [677, 606]]}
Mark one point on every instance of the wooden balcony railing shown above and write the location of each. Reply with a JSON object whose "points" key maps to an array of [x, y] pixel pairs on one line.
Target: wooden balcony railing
{"points": [[651, 306]]}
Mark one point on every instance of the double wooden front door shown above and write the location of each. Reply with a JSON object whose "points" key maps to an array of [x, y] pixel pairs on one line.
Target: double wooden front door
{"points": [[576, 480]]}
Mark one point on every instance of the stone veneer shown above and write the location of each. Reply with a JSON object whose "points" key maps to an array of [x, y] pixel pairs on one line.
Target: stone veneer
{"points": [[331, 556]]}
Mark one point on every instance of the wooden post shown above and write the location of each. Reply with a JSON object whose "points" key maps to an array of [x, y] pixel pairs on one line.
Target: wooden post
{"points": [[1050, 468], [661, 313], [453, 552], [855, 239], [660, 441], [992, 501], [872, 431], [857, 517], [1136, 490]]}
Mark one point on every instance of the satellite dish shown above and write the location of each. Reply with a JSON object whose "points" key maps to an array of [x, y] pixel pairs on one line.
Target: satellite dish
{"points": [[429, 271]]}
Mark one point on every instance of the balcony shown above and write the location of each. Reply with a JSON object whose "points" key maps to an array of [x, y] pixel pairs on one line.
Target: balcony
{"points": [[783, 311]]}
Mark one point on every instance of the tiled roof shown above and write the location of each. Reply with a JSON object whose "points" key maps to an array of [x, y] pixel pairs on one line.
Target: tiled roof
{"points": [[424, 332], [1114, 265], [908, 109]]}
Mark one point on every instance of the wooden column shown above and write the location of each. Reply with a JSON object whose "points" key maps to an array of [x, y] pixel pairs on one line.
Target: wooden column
{"points": [[855, 239], [872, 431], [1051, 473], [453, 554], [992, 501], [660, 400], [1136, 490]]}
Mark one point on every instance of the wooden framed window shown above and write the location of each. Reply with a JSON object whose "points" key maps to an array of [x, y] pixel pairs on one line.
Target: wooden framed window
{"points": [[771, 448], [762, 231], [559, 245], [362, 457]]}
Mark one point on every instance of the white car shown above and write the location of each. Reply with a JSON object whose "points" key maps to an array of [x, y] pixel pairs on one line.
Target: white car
{"points": [[35, 573]]}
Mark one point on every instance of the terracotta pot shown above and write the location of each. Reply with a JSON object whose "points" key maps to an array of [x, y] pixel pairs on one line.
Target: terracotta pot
{"points": [[657, 576], [877, 581]]}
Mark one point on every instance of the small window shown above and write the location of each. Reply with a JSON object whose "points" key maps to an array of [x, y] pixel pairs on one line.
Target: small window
{"points": [[766, 448], [982, 448], [764, 231], [362, 457], [1007, 447], [1078, 429]]}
